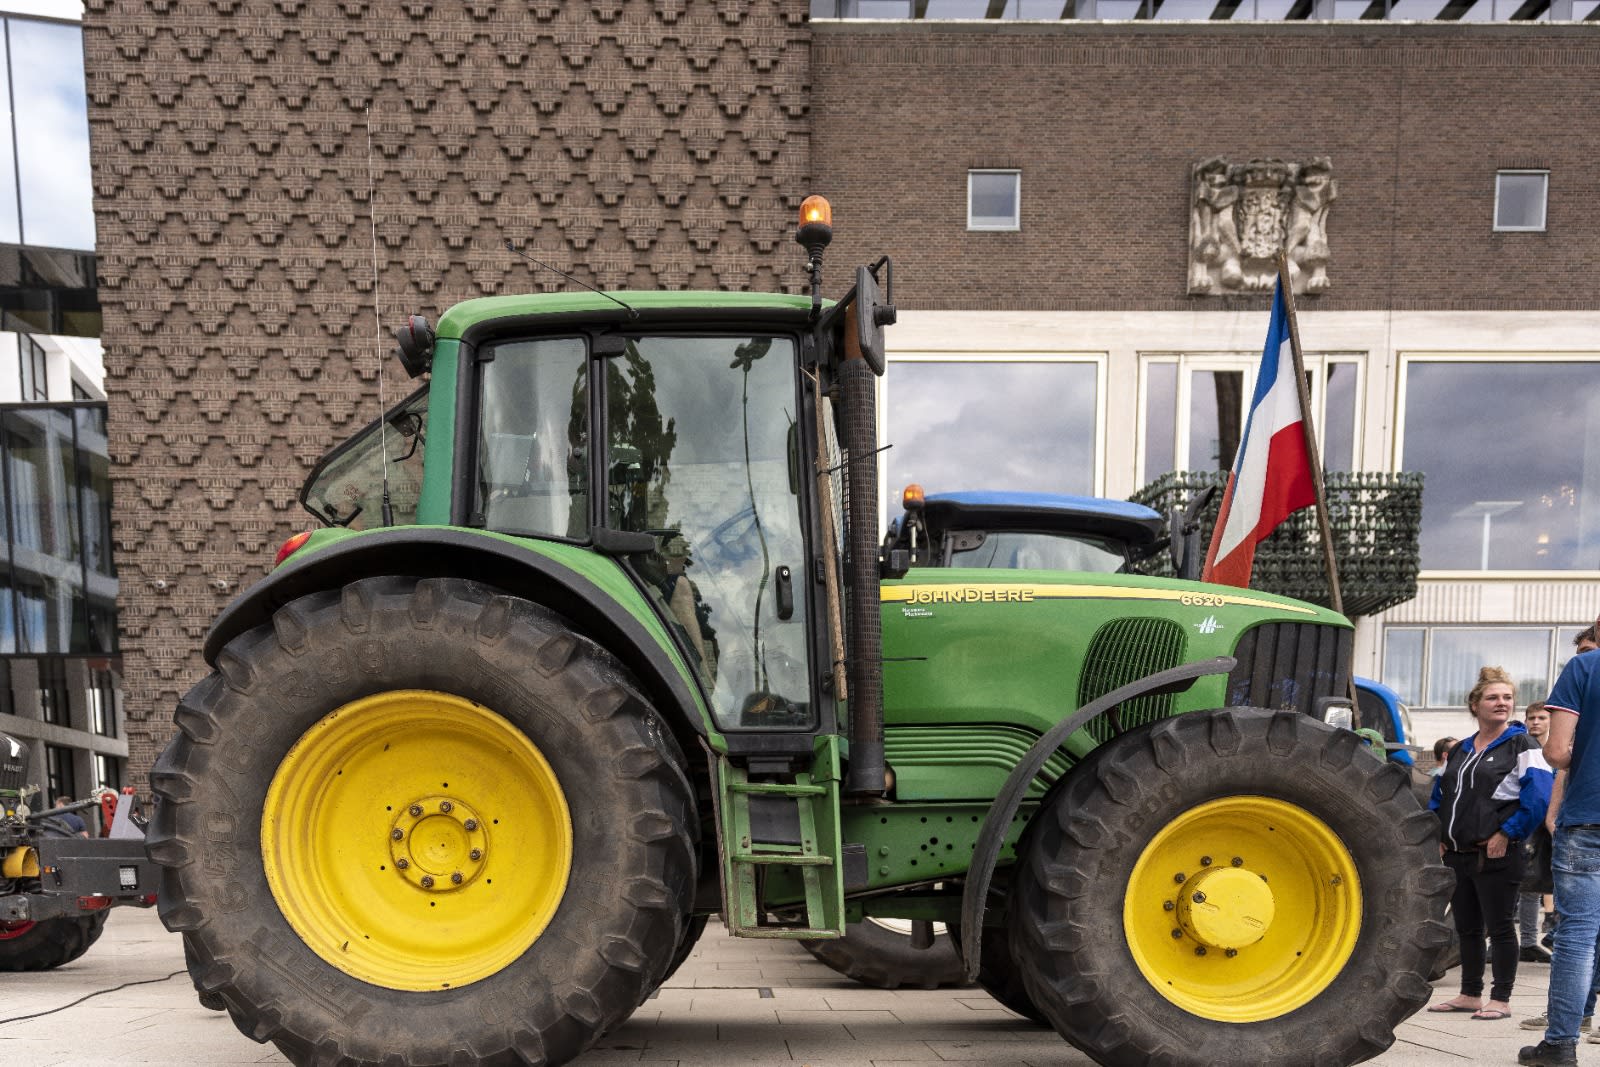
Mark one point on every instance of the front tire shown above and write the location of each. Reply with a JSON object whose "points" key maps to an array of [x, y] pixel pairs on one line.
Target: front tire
{"points": [[413, 822], [1230, 886], [46, 945]]}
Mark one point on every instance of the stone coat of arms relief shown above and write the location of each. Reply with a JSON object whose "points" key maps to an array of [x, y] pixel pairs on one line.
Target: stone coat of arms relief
{"points": [[1241, 214]]}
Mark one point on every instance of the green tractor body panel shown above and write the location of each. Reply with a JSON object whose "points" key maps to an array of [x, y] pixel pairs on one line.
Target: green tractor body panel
{"points": [[603, 573], [463, 317], [438, 460]]}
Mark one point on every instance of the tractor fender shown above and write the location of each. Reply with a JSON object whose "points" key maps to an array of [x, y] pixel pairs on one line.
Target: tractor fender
{"points": [[986, 853], [433, 552]]}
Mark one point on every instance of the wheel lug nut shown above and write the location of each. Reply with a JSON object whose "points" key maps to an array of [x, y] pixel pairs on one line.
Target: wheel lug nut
{"points": [[1199, 950], [1205, 861], [476, 854], [1237, 862], [401, 864], [455, 879], [415, 810], [1199, 898], [397, 833], [1230, 953], [471, 824], [427, 881], [445, 806], [1177, 935], [1167, 905], [1178, 877]]}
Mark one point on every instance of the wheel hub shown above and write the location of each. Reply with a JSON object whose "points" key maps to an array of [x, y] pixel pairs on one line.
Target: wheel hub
{"points": [[1226, 908], [438, 844]]}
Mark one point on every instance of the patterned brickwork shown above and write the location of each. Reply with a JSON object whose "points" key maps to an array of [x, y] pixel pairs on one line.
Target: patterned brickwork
{"points": [[1106, 122], [635, 143]]}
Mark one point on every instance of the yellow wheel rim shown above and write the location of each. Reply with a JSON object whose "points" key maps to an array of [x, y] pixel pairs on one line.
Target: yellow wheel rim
{"points": [[1243, 909], [416, 840]]}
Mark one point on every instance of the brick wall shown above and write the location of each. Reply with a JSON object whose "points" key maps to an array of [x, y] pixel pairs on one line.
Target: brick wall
{"points": [[634, 143], [1106, 120]]}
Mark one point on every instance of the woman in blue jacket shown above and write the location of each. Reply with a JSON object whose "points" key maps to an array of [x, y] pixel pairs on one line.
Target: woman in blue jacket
{"points": [[1491, 796]]}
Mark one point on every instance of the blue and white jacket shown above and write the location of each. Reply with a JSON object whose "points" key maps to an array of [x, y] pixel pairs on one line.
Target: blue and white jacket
{"points": [[1504, 787]]}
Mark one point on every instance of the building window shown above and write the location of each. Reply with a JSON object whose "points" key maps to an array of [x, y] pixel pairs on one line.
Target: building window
{"points": [[994, 200], [79, 392], [1519, 199], [50, 119], [1004, 423], [58, 772], [108, 769], [53, 707], [1533, 506], [1194, 409], [102, 694], [34, 369], [1436, 666]]}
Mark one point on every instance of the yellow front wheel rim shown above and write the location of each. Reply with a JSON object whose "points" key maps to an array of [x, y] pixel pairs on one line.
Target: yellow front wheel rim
{"points": [[416, 840], [1243, 909]]}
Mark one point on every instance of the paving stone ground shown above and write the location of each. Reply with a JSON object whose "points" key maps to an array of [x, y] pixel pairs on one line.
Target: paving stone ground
{"points": [[746, 1003]]}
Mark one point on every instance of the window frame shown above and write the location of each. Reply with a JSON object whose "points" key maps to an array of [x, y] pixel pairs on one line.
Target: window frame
{"points": [[889, 504], [1250, 363], [1403, 363], [1544, 200], [1015, 225], [1558, 645]]}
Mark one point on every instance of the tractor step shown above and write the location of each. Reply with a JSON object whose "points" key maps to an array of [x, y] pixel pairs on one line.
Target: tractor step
{"points": [[774, 825]]}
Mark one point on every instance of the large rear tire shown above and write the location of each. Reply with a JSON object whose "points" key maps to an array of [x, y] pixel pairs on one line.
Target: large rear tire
{"points": [[46, 945], [1233, 886], [880, 953], [417, 822]]}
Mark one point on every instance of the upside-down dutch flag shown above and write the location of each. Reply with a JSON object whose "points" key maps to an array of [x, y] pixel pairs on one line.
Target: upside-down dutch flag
{"points": [[1271, 477]]}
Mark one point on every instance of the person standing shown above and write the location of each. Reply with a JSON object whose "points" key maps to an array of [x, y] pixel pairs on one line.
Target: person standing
{"points": [[1574, 706], [1536, 872], [1491, 796]]}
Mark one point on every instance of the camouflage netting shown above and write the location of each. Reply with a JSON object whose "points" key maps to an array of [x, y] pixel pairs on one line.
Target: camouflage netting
{"points": [[1376, 519]]}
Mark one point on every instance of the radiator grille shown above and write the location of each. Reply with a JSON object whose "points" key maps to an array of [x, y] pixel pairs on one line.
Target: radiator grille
{"points": [[1124, 651], [1290, 665]]}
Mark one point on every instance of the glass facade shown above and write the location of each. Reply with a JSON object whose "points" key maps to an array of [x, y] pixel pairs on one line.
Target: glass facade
{"points": [[1436, 666], [52, 202], [992, 424], [57, 578], [1536, 506]]}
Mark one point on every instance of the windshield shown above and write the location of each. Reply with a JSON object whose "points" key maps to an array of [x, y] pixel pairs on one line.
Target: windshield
{"points": [[1036, 552], [346, 487]]}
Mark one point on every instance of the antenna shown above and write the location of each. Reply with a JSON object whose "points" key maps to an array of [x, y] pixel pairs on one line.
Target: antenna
{"points": [[377, 322], [632, 313]]}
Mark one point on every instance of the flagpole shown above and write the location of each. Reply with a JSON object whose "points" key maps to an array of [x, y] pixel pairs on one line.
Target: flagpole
{"points": [[1335, 596]]}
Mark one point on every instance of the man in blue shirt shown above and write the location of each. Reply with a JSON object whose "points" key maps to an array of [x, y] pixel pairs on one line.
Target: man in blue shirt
{"points": [[1573, 744]]}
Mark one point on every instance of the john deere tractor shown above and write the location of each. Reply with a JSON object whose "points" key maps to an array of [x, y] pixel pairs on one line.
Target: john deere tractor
{"points": [[597, 640]]}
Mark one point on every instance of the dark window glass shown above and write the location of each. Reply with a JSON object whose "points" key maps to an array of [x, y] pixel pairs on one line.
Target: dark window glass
{"points": [[53, 696], [1536, 506], [109, 770], [8, 703], [58, 772], [34, 369], [1216, 410], [991, 425], [51, 111], [79, 392], [102, 694], [346, 488], [533, 449], [1339, 417], [1160, 418]]}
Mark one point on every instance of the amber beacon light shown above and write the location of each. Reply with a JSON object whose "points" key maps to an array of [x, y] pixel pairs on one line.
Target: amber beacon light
{"points": [[814, 234]]}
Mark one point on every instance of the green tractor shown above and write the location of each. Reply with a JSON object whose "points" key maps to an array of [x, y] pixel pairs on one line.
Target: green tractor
{"points": [[598, 641]]}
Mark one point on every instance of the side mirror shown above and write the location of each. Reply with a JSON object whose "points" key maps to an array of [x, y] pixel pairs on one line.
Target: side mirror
{"points": [[416, 345], [873, 313]]}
